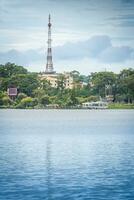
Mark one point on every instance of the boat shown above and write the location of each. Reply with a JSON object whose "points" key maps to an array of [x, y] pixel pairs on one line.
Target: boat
{"points": [[95, 105]]}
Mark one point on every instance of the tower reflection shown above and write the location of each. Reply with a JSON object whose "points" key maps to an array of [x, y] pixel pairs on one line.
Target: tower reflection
{"points": [[48, 170]]}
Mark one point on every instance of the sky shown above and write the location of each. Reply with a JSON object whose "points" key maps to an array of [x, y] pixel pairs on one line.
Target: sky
{"points": [[87, 35]]}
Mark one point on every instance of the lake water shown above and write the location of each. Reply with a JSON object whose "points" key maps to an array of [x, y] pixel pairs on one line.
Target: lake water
{"points": [[66, 154]]}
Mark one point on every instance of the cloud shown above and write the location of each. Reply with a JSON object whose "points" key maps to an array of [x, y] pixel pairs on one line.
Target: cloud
{"points": [[126, 24], [88, 48], [98, 49], [122, 20], [116, 54], [84, 18], [128, 2], [21, 58], [122, 17]]}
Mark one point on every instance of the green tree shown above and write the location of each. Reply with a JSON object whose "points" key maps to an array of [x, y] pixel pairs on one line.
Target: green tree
{"points": [[21, 96], [44, 100], [125, 85], [72, 100], [27, 102], [76, 76], [25, 83], [99, 81], [9, 69], [61, 83]]}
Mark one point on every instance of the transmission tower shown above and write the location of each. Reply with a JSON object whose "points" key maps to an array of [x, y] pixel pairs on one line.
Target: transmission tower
{"points": [[49, 65]]}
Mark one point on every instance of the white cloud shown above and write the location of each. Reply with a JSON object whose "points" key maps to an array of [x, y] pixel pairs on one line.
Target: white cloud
{"points": [[25, 22], [94, 54], [116, 54], [88, 48]]}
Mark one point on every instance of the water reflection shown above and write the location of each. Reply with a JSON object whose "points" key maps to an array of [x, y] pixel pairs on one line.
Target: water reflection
{"points": [[66, 155], [48, 169]]}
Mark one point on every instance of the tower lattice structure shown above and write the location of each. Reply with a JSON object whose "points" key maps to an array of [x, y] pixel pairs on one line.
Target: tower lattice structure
{"points": [[49, 65]]}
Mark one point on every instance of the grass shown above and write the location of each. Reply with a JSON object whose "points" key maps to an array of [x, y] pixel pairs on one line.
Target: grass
{"points": [[120, 106]]}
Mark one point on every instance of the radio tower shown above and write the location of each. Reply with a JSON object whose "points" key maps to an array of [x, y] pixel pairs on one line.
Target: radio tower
{"points": [[49, 65]]}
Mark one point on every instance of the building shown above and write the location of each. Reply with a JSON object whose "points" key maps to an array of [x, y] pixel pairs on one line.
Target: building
{"points": [[53, 79], [12, 92], [69, 83]]}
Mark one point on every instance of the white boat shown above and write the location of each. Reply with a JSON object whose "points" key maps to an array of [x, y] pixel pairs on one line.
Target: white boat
{"points": [[95, 105]]}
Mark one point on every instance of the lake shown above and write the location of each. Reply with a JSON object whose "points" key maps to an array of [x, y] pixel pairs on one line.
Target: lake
{"points": [[66, 154]]}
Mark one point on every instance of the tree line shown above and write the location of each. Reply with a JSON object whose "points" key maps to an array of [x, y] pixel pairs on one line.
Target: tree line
{"points": [[36, 93]]}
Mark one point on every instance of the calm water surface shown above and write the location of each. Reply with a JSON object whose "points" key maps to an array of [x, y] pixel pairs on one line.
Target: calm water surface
{"points": [[66, 155]]}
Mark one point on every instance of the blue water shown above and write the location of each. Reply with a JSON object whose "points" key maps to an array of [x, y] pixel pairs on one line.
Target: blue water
{"points": [[66, 154]]}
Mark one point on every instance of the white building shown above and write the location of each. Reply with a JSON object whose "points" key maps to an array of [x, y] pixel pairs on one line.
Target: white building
{"points": [[53, 79]]}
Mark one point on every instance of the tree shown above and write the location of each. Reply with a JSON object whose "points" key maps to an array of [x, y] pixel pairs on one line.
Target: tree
{"points": [[34, 92], [125, 87], [26, 83], [27, 102], [69, 99], [73, 101], [75, 74], [21, 96], [99, 81], [9, 69], [5, 100], [44, 100], [44, 85], [61, 83]]}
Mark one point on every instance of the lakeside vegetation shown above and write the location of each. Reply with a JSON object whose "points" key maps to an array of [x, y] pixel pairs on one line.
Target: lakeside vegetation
{"points": [[36, 93], [121, 106]]}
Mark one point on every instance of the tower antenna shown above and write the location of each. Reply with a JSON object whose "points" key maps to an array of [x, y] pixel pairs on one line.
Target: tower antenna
{"points": [[49, 65]]}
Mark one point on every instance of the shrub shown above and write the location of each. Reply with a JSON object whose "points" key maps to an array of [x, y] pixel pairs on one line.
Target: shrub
{"points": [[44, 100], [21, 96], [27, 102]]}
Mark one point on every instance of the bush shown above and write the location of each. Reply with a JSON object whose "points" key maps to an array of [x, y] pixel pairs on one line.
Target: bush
{"points": [[93, 98], [27, 102], [21, 96], [44, 100], [120, 106], [6, 101]]}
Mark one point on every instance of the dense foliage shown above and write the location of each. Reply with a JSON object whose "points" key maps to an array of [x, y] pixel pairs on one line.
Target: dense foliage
{"points": [[36, 93]]}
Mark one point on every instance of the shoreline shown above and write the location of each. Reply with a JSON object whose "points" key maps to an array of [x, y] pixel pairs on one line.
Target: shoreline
{"points": [[65, 109], [112, 106]]}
